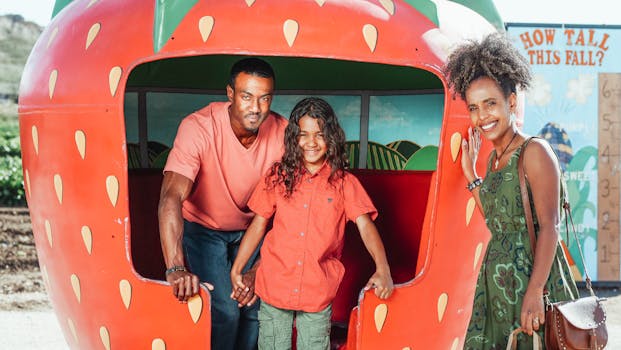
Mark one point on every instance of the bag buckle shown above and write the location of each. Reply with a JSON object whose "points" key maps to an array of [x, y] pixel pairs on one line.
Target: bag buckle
{"points": [[546, 300]]}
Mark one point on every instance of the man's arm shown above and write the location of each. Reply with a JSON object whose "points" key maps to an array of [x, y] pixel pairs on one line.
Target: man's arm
{"points": [[175, 189]]}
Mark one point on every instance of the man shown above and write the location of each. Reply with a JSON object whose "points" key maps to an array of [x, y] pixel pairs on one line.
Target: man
{"points": [[219, 154]]}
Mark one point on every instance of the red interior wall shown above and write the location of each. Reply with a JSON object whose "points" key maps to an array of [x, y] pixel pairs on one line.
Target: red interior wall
{"points": [[144, 196], [401, 200]]}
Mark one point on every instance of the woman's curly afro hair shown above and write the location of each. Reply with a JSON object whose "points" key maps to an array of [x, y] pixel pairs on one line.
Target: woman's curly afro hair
{"points": [[494, 57]]}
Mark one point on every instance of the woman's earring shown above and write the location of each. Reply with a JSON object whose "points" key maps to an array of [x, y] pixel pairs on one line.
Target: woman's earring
{"points": [[512, 116]]}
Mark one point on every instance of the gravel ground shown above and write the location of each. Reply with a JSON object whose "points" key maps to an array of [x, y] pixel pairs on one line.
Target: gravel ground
{"points": [[27, 321], [30, 330]]}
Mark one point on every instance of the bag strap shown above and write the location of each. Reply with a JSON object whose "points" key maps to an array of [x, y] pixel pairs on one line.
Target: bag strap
{"points": [[567, 209], [525, 198], [512, 342], [529, 215]]}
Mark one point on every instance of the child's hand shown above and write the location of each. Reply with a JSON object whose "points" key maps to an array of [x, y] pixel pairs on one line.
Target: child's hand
{"points": [[239, 289], [247, 296], [382, 282]]}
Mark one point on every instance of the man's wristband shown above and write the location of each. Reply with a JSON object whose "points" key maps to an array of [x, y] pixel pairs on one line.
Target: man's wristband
{"points": [[175, 269], [474, 184]]}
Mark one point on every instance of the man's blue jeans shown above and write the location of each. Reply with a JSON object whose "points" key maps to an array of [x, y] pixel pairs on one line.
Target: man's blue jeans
{"points": [[210, 255]]}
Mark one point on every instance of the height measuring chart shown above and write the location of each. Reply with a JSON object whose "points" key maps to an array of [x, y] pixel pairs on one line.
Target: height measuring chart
{"points": [[609, 176]]}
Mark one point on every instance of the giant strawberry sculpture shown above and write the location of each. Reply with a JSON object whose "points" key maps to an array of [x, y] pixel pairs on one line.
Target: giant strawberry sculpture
{"points": [[76, 169]]}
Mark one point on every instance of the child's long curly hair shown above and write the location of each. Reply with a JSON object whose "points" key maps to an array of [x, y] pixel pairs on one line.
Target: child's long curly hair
{"points": [[494, 57], [290, 169]]}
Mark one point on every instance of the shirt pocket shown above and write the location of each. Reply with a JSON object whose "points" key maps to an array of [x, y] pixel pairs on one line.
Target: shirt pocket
{"points": [[329, 206]]}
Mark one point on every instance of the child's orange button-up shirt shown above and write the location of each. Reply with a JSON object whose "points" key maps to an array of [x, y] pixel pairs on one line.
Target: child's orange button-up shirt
{"points": [[300, 266]]}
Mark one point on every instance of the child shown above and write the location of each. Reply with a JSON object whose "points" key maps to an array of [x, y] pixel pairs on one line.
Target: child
{"points": [[311, 197]]}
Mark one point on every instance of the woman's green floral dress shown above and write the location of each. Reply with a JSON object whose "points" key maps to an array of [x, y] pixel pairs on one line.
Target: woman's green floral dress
{"points": [[508, 263]]}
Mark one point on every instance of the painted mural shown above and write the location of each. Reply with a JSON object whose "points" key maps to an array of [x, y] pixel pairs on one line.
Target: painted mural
{"points": [[403, 130], [562, 107]]}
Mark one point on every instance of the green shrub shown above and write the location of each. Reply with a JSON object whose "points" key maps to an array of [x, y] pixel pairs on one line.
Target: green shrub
{"points": [[11, 182], [9, 146], [11, 176]]}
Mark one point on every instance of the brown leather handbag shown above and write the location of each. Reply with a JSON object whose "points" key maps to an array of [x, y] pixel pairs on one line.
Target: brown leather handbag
{"points": [[573, 324]]}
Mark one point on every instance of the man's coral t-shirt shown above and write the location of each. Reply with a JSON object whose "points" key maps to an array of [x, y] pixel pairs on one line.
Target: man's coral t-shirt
{"points": [[224, 172]]}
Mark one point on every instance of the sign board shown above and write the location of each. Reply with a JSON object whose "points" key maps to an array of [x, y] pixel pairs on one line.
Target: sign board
{"points": [[574, 104]]}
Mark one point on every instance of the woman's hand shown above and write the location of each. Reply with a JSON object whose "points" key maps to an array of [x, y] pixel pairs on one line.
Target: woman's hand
{"points": [[532, 315], [469, 153]]}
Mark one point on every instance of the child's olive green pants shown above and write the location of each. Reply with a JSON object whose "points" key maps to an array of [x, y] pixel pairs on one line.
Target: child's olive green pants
{"points": [[276, 328]]}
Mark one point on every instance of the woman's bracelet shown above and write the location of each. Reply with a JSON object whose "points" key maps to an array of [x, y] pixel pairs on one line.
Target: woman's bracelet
{"points": [[474, 184], [175, 269]]}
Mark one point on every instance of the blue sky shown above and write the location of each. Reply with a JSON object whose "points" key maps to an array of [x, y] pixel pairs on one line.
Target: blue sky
{"points": [[593, 12]]}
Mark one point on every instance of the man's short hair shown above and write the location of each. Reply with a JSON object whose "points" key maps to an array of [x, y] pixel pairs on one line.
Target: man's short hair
{"points": [[252, 66]]}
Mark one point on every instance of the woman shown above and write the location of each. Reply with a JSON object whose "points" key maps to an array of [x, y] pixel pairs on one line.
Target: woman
{"points": [[511, 284]]}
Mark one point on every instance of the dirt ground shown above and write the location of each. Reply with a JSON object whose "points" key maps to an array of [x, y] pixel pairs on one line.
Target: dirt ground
{"points": [[22, 287], [27, 321]]}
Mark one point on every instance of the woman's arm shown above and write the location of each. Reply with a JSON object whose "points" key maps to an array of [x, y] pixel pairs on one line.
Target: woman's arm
{"points": [[381, 279], [469, 153], [543, 174]]}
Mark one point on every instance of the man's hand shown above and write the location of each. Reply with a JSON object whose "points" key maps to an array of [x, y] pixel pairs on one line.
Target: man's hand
{"points": [[184, 285], [243, 288]]}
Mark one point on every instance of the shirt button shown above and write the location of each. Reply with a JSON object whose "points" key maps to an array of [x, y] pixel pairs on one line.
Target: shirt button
{"points": [[295, 290], [300, 262], [305, 205], [301, 233], [310, 180]]}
